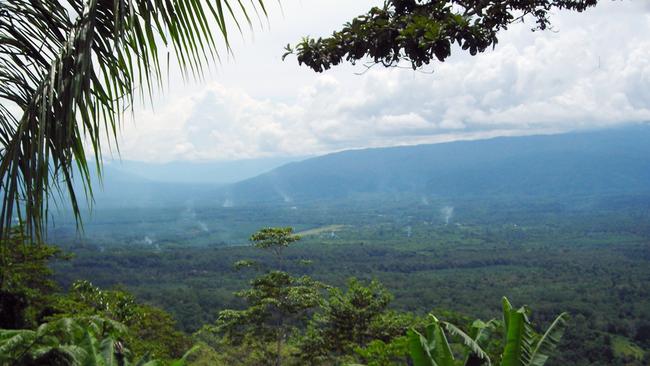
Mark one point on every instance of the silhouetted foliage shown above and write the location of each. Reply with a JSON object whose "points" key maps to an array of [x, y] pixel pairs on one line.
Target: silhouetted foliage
{"points": [[26, 283], [420, 31]]}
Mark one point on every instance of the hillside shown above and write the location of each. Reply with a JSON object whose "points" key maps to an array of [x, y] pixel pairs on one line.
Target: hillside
{"points": [[588, 163], [203, 172], [146, 184]]}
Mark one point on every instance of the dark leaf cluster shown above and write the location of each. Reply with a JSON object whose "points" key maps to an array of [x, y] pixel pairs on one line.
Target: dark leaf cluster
{"points": [[421, 31]]}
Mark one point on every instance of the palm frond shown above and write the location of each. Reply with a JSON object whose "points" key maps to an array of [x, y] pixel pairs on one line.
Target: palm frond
{"points": [[441, 351], [549, 341], [68, 72], [471, 343], [14, 343], [418, 347], [518, 341], [183, 360], [507, 308]]}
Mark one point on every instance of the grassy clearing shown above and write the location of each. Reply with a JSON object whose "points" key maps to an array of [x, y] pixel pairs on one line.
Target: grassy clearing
{"points": [[322, 230], [625, 348]]}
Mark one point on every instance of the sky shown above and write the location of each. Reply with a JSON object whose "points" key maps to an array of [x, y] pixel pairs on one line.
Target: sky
{"points": [[592, 71]]}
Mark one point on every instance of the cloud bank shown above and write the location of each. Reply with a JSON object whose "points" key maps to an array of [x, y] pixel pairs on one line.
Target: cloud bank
{"points": [[592, 72]]}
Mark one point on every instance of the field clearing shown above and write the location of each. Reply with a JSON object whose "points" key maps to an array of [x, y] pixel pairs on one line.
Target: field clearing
{"points": [[322, 230], [624, 347]]}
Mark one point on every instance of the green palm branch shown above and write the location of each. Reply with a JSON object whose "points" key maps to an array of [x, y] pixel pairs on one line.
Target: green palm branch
{"points": [[72, 341], [476, 355], [66, 341], [69, 70], [433, 349], [524, 347]]}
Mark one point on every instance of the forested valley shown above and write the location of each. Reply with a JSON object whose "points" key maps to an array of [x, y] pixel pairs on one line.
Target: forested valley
{"points": [[383, 267], [499, 215]]}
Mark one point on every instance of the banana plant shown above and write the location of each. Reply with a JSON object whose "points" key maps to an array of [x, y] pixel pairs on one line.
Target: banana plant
{"points": [[71, 341], [524, 347], [433, 349]]}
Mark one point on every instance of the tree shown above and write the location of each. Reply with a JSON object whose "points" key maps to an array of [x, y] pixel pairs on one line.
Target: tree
{"points": [[347, 316], [420, 31], [64, 342], [277, 302], [26, 283], [380, 353], [642, 334], [150, 330], [275, 239], [70, 68], [28, 298], [350, 320]]}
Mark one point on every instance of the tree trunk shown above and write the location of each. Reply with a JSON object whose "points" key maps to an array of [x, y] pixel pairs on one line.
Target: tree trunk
{"points": [[278, 348]]}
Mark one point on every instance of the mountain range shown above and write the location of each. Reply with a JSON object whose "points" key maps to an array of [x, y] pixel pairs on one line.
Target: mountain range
{"points": [[603, 162]]}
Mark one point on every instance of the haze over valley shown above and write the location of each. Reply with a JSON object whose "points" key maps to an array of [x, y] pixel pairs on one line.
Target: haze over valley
{"points": [[325, 183]]}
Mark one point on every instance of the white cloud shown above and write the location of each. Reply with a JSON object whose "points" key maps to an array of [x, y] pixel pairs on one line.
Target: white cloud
{"points": [[593, 72]]}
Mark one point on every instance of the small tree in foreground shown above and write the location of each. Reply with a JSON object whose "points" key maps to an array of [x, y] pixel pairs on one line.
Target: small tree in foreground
{"points": [[151, 331], [349, 321], [71, 342], [277, 303], [26, 284]]}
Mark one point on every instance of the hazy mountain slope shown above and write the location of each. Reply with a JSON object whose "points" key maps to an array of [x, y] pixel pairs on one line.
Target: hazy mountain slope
{"points": [[140, 184], [219, 172], [589, 163]]}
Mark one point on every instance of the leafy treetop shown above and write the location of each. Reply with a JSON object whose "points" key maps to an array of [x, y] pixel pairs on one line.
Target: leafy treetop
{"points": [[151, 331], [274, 238], [26, 282], [419, 31]]}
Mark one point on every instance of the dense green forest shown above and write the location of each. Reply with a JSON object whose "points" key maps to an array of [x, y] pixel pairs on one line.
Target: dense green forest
{"points": [[372, 277], [597, 276], [309, 267], [588, 257]]}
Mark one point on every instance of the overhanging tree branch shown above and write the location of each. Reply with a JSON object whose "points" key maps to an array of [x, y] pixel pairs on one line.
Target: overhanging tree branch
{"points": [[421, 31]]}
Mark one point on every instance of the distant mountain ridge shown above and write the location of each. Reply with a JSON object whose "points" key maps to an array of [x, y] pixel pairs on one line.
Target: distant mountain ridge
{"points": [[199, 172], [614, 161], [128, 183]]}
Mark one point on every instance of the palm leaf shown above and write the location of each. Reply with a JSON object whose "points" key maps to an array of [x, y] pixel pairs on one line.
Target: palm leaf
{"points": [[432, 348], [145, 361], [549, 341], [470, 343], [107, 351], [74, 355], [183, 360], [507, 308], [15, 343], [514, 353], [93, 353], [441, 351], [69, 70], [418, 349]]}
